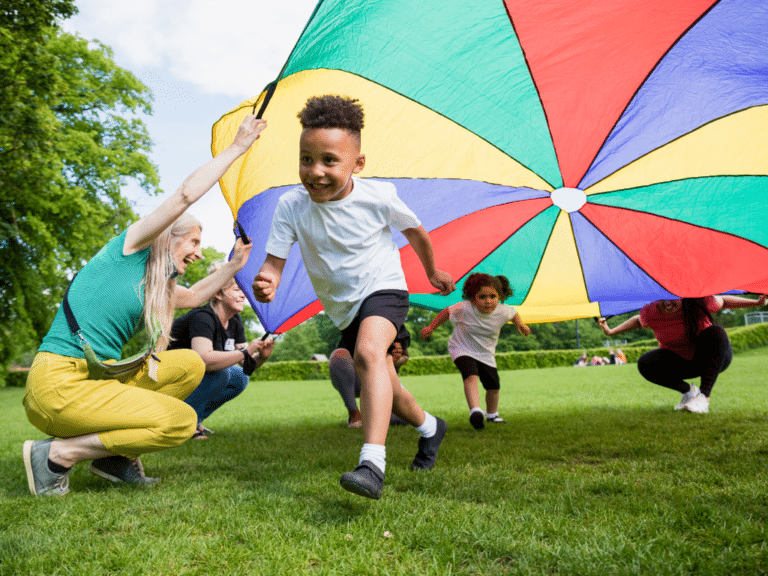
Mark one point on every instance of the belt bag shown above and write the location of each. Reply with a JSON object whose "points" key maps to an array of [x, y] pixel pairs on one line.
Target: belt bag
{"points": [[98, 370]]}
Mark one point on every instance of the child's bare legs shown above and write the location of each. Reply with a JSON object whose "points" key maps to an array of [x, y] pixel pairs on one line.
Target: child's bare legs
{"points": [[492, 401], [374, 337], [404, 405], [470, 391]]}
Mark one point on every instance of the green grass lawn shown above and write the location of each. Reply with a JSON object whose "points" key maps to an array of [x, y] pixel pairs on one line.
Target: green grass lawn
{"points": [[593, 474]]}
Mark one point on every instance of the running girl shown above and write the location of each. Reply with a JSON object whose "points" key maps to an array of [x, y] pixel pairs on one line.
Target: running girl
{"points": [[477, 323]]}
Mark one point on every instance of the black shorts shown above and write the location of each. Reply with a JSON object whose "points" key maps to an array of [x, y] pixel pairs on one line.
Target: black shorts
{"points": [[390, 304], [489, 376]]}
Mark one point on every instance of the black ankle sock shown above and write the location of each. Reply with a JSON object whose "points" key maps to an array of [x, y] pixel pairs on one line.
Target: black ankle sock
{"points": [[57, 468]]}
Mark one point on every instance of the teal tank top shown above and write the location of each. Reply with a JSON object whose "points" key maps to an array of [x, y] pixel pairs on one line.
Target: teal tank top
{"points": [[107, 300]]}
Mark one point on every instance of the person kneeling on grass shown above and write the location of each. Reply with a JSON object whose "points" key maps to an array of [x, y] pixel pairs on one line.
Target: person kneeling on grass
{"points": [[215, 331], [691, 344], [131, 280]]}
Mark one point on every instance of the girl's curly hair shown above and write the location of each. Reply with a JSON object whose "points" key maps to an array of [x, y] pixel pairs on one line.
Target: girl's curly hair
{"points": [[332, 111], [479, 280]]}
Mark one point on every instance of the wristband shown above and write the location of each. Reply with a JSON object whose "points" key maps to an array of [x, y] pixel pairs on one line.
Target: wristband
{"points": [[249, 364]]}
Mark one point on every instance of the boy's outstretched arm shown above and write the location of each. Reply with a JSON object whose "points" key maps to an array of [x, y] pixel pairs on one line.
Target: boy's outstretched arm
{"points": [[268, 279], [422, 245]]}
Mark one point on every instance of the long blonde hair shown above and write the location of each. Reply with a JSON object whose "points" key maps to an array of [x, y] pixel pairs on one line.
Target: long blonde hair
{"points": [[160, 281]]}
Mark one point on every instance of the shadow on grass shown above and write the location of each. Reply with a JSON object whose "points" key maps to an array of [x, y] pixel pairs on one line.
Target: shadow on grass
{"points": [[306, 461]]}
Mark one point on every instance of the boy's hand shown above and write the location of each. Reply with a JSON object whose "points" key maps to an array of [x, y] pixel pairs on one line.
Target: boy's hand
{"points": [[524, 330], [443, 282], [426, 332], [264, 286]]}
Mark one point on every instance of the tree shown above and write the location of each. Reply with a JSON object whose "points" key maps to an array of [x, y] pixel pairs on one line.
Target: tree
{"points": [[69, 141], [317, 335]]}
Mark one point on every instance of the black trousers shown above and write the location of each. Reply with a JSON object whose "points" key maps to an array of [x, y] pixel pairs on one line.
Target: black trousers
{"points": [[713, 355]]}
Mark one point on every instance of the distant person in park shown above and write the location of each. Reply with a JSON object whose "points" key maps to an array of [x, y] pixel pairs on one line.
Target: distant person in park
{"points": [[216, 332], [343, 226], [581, 360], [130, 282], [344, 378], [620, 357], [691, 344], [477, 321]]}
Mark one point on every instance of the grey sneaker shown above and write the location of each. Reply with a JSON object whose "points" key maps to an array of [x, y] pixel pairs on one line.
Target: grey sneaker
{"points": [[428, 447], [687, 397], [40, 479], [365, 480], [122, 470], [477, 420]]}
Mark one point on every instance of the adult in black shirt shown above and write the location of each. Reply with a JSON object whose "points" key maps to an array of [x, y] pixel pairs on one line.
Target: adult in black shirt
{"points": [[215, 331]]}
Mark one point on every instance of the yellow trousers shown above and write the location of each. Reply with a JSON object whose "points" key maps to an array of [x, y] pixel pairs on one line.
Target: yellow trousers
{"points": [[132, 416]]}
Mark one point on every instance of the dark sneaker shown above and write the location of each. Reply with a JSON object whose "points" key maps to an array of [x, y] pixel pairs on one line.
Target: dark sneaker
{"points": [[497, 420], [477, 420], [41, 481], [365, 480], [428, 447], [122, 470]]}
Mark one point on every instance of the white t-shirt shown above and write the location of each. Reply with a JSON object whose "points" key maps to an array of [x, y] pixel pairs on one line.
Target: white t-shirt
{"points": [[346, 244], [476, 334]]}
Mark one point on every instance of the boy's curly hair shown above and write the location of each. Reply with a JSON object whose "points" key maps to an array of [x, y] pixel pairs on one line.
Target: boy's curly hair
{"points": [[479, 280], [332, 111]]}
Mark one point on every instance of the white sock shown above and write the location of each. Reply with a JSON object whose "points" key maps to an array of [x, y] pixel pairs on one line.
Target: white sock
{"points": [[491, 416], [476, 409], [375, 453], [428, 429]]}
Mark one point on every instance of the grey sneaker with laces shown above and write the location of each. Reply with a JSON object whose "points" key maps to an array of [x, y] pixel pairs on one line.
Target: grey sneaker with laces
{"points": [[121, 470], [41, 481]]}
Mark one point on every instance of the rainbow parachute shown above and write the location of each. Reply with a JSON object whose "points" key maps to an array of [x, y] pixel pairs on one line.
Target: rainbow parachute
{"points": [[600, 153]]}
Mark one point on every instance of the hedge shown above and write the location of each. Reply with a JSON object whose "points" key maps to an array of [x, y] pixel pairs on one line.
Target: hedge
{"points": [[743, 338]]}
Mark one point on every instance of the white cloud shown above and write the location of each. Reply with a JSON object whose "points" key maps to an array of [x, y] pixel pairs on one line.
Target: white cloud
{"points": [[229, 47]]}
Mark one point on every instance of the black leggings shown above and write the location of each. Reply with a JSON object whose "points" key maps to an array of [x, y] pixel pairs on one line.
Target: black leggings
{"points": [[713, 355]]}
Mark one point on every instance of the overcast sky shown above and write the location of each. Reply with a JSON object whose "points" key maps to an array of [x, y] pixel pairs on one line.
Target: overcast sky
{"points": [[200, 58]]}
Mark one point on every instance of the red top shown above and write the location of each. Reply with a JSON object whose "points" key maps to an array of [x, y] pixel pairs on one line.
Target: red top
{"points": [[669, 329]]}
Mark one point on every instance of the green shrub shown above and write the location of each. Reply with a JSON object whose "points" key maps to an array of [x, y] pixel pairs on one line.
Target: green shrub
{"points": [[16, 378]]}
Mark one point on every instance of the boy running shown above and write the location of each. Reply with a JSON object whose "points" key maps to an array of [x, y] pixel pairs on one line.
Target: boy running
{"points": [[342, 224]]}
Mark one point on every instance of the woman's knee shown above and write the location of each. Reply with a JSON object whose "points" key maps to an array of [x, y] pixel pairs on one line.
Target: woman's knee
{"points": [[238, 380], [188, 366], [178, 426]]}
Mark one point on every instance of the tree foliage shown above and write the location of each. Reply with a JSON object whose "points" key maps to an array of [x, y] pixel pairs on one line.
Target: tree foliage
{"points": [[69, 141]]}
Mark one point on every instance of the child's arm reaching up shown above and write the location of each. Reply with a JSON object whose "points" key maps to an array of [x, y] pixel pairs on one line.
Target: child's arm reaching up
{"points": [[441, 318], [422, 245], [268, 279]]}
